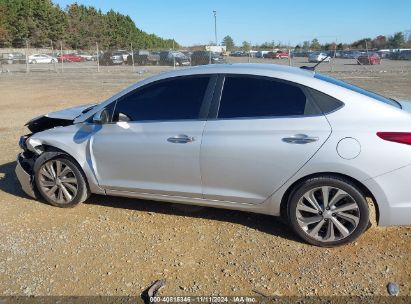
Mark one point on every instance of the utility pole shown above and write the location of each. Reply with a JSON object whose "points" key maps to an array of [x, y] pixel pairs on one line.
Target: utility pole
{"points": [[27, 55], [98, 57], [52, 54], [132, 55], [366, 48], [61, 56], [174, 56], [215, 27]]}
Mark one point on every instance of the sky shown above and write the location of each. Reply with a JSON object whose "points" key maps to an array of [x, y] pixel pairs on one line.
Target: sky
{"points": [[191, 22]]}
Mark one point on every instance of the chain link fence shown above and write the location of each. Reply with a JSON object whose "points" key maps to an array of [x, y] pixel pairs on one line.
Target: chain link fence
{"points": [[57, 59]]}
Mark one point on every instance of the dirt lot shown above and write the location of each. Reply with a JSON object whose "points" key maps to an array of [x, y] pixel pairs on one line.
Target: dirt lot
{"points": [[114, 246]]}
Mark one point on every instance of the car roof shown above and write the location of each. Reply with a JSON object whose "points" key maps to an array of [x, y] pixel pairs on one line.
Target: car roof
{"points": [[241, 68], [284, 72]]}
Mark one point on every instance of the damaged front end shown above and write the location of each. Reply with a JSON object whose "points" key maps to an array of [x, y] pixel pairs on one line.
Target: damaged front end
{"points": [[24, 172], [25, 165], [32, 150]]}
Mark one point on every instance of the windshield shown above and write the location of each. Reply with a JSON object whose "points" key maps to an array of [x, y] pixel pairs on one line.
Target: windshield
{"points": [[178, 54], [354, 88]]}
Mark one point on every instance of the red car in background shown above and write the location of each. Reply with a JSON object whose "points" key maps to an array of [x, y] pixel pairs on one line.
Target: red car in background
{"points": [[70, 58], [369, 59], [276, 55]]}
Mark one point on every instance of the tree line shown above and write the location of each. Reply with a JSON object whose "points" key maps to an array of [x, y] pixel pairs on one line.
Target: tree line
{"points": [[398, 40], [40, 22]]}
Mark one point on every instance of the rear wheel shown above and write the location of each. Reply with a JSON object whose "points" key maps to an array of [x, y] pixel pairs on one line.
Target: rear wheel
{"points": [[60, 181], [328, 211]]}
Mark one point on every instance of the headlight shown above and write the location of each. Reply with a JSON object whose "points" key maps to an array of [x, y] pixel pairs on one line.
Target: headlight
{"points": [[34, 145]]}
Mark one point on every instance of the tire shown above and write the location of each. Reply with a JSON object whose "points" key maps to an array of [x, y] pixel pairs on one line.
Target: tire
{"points": [[331, 226], [66, 193], [33, 61]]}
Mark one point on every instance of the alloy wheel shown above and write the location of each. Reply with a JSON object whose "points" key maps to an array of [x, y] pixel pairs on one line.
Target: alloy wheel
{"points": [[327, 214], [58, 181]]}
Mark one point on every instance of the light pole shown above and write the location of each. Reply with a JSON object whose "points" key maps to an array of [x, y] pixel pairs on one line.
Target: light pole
{"points": [[215, 26]]}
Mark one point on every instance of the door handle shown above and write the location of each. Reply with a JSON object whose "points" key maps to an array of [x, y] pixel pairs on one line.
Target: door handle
{"points": [[180, 139], [300, 139]]}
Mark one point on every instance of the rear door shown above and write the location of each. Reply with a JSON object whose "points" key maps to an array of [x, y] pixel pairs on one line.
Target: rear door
{"points": [[263, 132]]}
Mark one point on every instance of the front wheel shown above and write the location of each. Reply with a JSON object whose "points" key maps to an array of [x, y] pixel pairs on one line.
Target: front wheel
{"points": [[60, 181], [328, 211]]}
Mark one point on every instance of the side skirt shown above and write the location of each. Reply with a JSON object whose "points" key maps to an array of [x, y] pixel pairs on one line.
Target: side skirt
{"points": [[261, 208]]}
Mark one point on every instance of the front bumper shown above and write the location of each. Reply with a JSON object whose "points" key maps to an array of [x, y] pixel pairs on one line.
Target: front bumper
{"points": [[24, 177]]}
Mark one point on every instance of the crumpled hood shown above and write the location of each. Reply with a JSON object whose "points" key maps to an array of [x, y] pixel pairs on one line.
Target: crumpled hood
{"points": [[70, 113], [58, 118]]}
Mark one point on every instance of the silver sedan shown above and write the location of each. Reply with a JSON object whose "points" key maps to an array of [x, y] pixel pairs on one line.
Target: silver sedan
{"points": [[268, 139]]}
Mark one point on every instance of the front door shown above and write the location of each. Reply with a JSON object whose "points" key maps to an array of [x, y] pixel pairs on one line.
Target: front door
{"points": [[153, 143]]}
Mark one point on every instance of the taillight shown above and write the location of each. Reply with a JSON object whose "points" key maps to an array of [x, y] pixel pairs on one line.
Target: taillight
{"points": [[398, 137]]}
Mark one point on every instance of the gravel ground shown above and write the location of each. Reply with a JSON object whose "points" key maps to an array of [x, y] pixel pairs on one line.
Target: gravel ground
{"points": [[117, 246]]}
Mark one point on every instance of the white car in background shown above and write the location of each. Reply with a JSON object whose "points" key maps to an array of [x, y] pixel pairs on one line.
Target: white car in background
{"points": [[86, 56], [260, 54], [42, 58], [318, 57]]}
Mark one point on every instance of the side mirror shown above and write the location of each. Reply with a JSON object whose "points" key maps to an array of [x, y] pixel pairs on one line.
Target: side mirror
{"points": [[101, 117]]}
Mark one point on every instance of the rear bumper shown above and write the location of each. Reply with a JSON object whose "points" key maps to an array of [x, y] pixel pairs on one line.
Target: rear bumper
{"points": [[393, 195], [24, 177]]}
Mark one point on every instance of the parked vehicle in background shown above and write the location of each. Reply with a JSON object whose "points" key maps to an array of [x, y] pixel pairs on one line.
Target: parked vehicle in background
{"points": [[351, 54], [220, 49], [371, 58], [402, 55], [202, 135], [260, 54], [86, 56], [276, 55], [143, 57], [334, 54], [318, 56], [239, 54], [171, 57], [11, 58], [206, 57], [252, 53], [301, 54], [70, 58], [111, 58], [42, 58], [124, 54], [187, 53], [384, 53]]}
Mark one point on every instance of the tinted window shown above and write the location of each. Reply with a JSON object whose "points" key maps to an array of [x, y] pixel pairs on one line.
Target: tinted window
{"points": [[179, 98], [325, 102], [260, 97], [358, 90]]}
